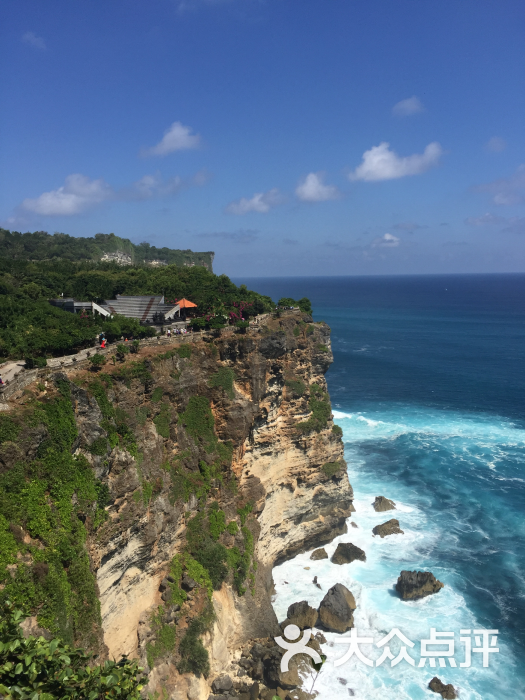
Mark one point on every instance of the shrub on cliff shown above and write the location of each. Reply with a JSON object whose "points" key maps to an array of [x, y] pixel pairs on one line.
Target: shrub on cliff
{"points": [[38, 668]]}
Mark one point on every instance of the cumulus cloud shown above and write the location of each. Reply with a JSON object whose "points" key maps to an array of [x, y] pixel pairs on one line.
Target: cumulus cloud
{"points": [[261, 202], [312, 189], [386, 241], [77, 194], [507, 191], [485, 219], [33, 40], [151, 186], [496, 144], [380, 163], [405, 108], [177, 138]]}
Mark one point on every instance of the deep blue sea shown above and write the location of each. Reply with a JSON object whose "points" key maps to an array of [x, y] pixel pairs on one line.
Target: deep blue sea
{"points": [[428, 385]]}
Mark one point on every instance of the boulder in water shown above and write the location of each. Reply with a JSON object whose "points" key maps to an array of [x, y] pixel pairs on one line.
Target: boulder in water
{"points": [[447, 692], [336, 611], [412, 585], [391, 527], [381, 503], [346, 553], [319, 554], [302, 615]]}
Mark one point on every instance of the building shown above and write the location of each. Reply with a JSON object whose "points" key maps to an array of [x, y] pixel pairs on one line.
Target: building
{"points": [[147, 309]]}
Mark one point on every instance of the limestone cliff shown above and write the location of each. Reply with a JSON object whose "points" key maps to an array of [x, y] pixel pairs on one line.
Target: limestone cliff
{"points": [[218, 458]]}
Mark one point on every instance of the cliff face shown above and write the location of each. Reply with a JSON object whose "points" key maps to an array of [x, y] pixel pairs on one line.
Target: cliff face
{"points": [[218, 459]]}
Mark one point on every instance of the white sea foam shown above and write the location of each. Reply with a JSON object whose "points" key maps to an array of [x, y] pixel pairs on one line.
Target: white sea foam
{"points": [[372, 582]]}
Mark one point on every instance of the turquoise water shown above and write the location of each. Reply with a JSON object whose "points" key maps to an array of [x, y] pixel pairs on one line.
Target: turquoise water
{"points": [[428, 385]]}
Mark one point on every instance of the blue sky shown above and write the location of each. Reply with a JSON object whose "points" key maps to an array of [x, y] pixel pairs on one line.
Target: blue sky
{"points": [[293, 137]]}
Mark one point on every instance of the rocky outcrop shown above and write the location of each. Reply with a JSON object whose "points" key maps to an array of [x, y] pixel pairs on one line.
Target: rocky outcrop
{"points": [[412, 585], [447, 692], [319, 554], [336, 611], [302, 615], [391, 527], [346, 553], [381, 504], [272, 453]]}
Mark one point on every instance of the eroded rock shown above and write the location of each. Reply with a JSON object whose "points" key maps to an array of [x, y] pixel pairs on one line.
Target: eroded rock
{"points": [[319, 554], [381, 504], [336, 611], [391, 527], [448, 692], [346, 553], [302, 615], [412, 585]]}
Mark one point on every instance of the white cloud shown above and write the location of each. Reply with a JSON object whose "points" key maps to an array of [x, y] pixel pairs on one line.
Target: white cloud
{"points": [[33, 40], [485, 219], [405, 108], [496, 144], [177, 138], [386, 241], [261, 202], [76, 195], [151, 186], [380, 163], [507, 191], [312, 189]]}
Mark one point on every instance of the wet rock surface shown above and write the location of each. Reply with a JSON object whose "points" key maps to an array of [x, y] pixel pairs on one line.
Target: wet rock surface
{"points": [[381, 504], [346, 553], [319, 554], [413, 585], [447, 692], [336, 611], [391, 527], [302, 615]]}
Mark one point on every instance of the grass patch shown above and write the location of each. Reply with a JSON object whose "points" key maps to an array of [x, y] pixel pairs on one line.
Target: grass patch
{"points": [[224, 378], [296, 386], [156, 396], [331, 468], [162, 420], [319, 405], [337, 430], [165, 638]]}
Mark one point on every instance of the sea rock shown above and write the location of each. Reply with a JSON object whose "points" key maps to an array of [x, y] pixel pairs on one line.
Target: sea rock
{"points": [[187, 583], [447, 692], [391, 527], [302, 615], [336, 611], [346, 553], [222, 684], [381, 503], [319, 554], [353, 524], [412, 585]]}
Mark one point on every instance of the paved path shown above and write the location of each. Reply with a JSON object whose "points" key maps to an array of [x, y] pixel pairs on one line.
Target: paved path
{"points": [[11, 369]]}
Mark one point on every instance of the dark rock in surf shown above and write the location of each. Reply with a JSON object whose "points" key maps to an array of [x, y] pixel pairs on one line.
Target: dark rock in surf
{"points": [[336, 611], [381, 504], [346, 553], [391, 527], [319, 554], [447, 692], [413, 585]]}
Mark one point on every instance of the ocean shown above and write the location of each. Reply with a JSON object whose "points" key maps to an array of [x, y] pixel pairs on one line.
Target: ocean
{"points": [[428, 385]]}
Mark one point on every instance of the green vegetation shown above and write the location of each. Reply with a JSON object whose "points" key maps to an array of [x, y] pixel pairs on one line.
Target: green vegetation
{"points": [[319, 405], [216, 521], [157, 394], [244, 512], [337, 430], [232, 527], [322, 348], [199, 423], [296, 386], [162, 420], [97, 361], [37, 267], [331, 468], [99, 447], [39, 669], [224, 378], [165, 638], [184, 350], [304, 304], [56, 500], [194, 657]]}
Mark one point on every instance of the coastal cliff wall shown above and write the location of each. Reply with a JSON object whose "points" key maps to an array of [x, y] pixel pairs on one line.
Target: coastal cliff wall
{"points": [[212, 462]]}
